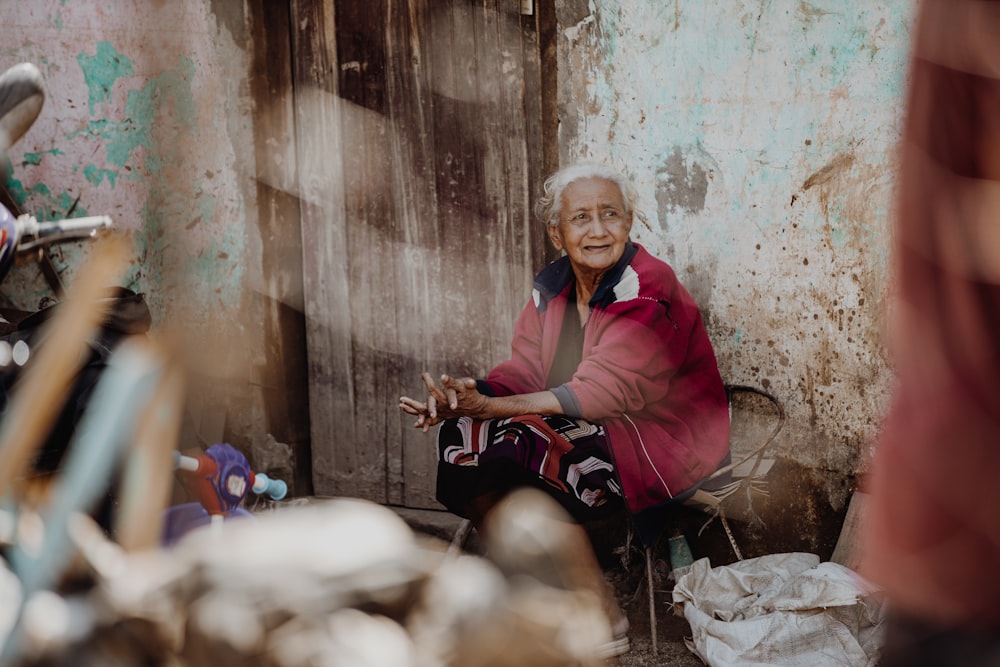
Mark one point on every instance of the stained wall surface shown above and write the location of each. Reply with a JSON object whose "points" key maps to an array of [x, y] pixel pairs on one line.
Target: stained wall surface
{"points": [[148, 119], [761, 136]]}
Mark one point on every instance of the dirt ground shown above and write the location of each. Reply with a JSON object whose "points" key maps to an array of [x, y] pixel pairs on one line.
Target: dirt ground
{"points": [[632, 593]]}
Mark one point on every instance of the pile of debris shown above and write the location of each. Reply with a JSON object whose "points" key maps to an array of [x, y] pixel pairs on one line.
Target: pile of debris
{"points": [[340, 582]]}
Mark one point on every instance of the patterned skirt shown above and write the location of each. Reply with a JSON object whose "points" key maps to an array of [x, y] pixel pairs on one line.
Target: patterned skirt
{"points": [[568, 458]]}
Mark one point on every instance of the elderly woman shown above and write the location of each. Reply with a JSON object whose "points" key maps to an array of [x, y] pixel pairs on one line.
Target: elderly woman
{"points": [[612, 391]]}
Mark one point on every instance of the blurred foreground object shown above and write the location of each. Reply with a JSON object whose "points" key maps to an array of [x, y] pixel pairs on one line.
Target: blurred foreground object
{"points": [[22, 95], [932, 534], [338, 582]]}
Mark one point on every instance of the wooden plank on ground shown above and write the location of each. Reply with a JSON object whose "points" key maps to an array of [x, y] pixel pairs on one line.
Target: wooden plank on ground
{"points": [[849, 549]]}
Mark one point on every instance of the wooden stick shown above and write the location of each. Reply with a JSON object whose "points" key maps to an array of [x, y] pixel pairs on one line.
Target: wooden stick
{"points": [[149, 469], [652, 600], [459, 538]]}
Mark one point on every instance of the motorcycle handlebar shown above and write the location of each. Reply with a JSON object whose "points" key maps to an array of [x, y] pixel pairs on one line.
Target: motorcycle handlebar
{"points": [[35, 233]]}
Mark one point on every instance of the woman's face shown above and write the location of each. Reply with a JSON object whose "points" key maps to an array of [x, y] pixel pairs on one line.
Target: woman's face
{"points": [[593, 226]]}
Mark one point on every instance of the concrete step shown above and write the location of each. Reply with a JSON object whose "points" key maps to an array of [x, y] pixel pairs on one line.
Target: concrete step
{"points": [[439, 524]]}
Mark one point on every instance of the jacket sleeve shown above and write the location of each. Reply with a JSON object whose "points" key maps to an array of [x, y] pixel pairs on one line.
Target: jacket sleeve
{"points": [[523, 373], [637, 350]]}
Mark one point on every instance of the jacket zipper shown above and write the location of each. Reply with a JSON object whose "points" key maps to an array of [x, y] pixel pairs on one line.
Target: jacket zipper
{"points": [[642, 444]]}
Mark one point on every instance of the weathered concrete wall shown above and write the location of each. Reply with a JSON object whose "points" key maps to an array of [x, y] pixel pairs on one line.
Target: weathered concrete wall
{"points": [[761, 135], [148, 119]]}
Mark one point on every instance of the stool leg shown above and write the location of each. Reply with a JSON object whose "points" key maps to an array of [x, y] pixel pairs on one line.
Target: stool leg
{"points": [[459, 538], [652, 601]]}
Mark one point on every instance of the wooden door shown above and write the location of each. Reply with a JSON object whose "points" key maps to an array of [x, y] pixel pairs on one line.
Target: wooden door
{"points": [[419, 151]]}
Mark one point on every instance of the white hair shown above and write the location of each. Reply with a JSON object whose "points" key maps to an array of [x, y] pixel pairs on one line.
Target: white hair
{"points": [[547, 207]]}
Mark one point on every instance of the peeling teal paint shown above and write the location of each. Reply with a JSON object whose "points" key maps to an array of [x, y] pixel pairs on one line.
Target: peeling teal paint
{"points": [[217, 266], [123, 137], [36, 158], [172, 86], [163, 258], [139, 128], [839, 238], [96, 175], [20, 193], [45, 205], [102, 70], [206, 205], [168, 92]]}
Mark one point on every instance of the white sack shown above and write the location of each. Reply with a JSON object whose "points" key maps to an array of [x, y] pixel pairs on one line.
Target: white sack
{"points": [[781, 609]]}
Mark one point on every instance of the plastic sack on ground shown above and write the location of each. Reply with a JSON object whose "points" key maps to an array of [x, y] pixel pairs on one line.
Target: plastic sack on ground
{"points": [[780, 609]]}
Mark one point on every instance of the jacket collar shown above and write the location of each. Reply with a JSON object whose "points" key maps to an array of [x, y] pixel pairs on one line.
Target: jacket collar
{"points": [[554, 278]]}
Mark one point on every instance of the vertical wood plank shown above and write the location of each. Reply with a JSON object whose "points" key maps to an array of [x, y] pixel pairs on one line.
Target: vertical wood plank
{"points": [[542, 84], [489, 246], [285, 376], [410, 455], [366, 129], [326, 287], [434, 215]]}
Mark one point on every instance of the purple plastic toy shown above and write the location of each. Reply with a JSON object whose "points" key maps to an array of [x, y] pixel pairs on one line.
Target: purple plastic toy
{"points": [[220, 479]]}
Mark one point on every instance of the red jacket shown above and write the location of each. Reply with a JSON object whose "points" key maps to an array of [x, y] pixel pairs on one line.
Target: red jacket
{"points": [[648, 373]]}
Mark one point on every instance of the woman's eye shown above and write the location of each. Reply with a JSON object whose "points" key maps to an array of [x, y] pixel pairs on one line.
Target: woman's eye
{"points": [[610, 213]]}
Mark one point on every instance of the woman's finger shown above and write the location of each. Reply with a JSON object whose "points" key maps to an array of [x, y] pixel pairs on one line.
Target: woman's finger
{"points": [[453, 388], [433, 389], [412, 402], [428, 422], [410, 405], [429, 382]]}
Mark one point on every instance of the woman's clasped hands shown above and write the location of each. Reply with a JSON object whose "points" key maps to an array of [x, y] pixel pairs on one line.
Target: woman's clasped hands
{"points": [[454, 397]]}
